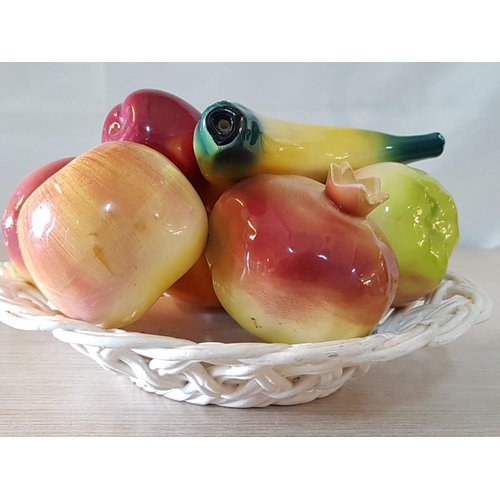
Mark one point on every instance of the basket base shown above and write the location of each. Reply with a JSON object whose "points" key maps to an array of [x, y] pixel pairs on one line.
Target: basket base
{"points": [[232, 386], [256, 398]]}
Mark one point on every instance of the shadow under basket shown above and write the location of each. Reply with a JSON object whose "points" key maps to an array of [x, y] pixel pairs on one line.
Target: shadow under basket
{"points": [[204, 357]]}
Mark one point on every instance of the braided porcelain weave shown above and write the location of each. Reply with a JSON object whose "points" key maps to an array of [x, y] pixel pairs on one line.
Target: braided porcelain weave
{"points": [[249, 374]]}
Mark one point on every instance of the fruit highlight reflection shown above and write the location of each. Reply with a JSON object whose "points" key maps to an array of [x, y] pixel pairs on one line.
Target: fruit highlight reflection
{"points": [[232, 143]]}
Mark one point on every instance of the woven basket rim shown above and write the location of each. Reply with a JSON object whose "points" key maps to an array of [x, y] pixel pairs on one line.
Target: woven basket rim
{"points": [[451, 310]]}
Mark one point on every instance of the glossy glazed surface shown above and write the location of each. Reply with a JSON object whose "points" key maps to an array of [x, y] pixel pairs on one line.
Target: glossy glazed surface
{"points": [[232, 142], [14, 205], [160, 120], [105, 236], [289, 266], [420, 221]]}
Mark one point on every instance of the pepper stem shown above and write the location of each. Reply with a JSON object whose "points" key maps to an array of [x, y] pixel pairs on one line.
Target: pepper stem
{"points": [[352, 195]]}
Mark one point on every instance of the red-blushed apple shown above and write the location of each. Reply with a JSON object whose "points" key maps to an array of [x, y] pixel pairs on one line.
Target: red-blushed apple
{"points": [[162, 121], [166, 123], [105, 236], [290, 266], [14, 205]]}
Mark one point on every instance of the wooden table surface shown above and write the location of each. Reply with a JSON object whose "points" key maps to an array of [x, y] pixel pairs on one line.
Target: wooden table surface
{"points": [[49, 389]]}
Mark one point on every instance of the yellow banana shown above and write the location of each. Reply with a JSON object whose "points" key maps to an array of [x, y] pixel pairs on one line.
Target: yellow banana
{"points": [[232, 142]]}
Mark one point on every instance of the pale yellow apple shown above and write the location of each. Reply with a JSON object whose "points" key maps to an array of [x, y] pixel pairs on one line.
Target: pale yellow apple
{"points": [[105, 236]]}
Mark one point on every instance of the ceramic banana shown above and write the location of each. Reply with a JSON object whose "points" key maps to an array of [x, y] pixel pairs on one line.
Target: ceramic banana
{"points": [[231, 142]]}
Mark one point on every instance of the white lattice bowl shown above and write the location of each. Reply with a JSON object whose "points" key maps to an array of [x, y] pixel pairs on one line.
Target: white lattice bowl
{"points": [[247, 373]]}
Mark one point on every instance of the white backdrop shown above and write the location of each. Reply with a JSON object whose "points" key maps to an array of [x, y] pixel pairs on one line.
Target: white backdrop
{"points": [[48, 111]]}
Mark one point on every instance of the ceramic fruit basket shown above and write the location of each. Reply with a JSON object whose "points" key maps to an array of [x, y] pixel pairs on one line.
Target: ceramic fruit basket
{"points": [[247, 373], [234, 259]]}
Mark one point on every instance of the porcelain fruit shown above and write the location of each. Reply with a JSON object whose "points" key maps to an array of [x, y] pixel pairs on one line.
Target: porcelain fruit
{"points": [[160, 120], [290, 266], [105, 236], [231, 143], [14, 205], [420, 222]]}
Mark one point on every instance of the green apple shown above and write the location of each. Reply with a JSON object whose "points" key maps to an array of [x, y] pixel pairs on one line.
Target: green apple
{"points": [[419, 221]]}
